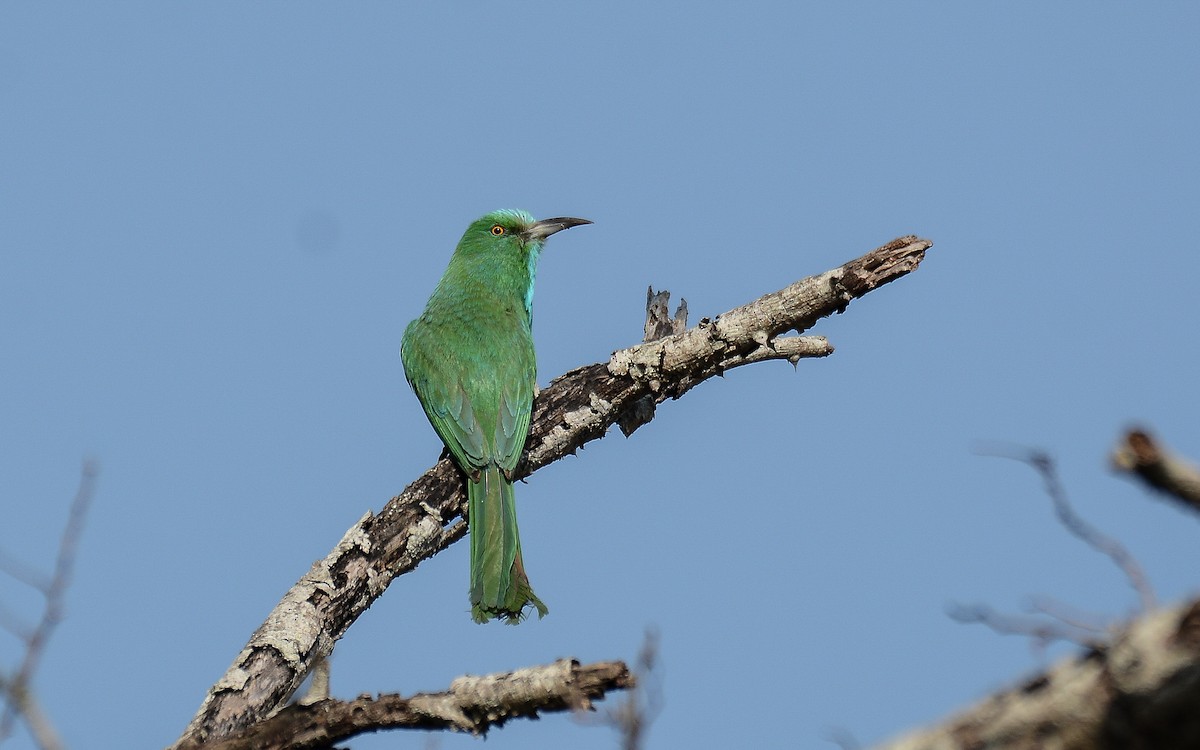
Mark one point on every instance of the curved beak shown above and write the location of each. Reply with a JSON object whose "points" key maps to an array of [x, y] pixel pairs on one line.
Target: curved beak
{"points": [[542, 229]]}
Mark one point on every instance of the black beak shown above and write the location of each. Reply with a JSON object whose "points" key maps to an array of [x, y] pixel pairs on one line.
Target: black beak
{"points": [[546, 227]]}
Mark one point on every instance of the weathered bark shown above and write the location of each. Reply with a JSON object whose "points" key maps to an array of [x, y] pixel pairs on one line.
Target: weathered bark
{"points": [[574, 409], [472, 704], [1141, 690]]}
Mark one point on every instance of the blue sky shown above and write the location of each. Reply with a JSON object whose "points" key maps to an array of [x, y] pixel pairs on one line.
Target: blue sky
{"points": [[217, 218]]}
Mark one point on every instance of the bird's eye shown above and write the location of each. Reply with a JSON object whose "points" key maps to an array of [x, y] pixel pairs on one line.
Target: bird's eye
{"points": [[497, 230]]}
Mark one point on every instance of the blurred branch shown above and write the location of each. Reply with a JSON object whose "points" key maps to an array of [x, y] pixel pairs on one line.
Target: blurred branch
{"points": [[18, 696], [1142, 456], [1043, 631], [1139, 691], [24, 704], [1095, 624], [1073, 522], [472, 704], [642, 703], [574, 409]]}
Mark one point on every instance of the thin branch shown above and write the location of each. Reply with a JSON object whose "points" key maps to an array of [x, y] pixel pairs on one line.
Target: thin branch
{"points": [[19, 699], [1141, 455], [1073, 522], [643, 702], [1040, 629], [24, 704], [574, 409], [1139, 691], [472, 704], [1071, 617]]}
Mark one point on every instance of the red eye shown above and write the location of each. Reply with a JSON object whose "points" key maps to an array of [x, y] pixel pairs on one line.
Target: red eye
{"points": [[497, 230]]}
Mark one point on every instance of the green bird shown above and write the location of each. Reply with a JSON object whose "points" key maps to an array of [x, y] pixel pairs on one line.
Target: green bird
{"points": [[469, 357]]}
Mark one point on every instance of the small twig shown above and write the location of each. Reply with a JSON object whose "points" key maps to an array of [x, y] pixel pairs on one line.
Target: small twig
{"points": [[641, 706], [1043, 631], [17, 687], [634, 714], [1074, 523], [40, 727], [1055, 609]]}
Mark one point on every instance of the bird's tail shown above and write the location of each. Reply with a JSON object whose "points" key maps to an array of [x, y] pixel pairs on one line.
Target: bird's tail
{"points": [[499, 587]]}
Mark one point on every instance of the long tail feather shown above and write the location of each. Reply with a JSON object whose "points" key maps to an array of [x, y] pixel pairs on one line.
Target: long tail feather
{"points": [[499, 586]]}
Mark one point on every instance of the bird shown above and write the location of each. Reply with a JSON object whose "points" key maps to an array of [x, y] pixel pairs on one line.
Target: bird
{"points": [[469, 357]]}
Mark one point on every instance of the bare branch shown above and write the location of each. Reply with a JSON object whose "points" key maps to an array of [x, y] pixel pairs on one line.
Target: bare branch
{"points": [[1141, 455], [574, 409], [16, 689], [1071, 617], [1140, 691], [1042, 630], [1090, 535], [472, 704], [24, 704]]}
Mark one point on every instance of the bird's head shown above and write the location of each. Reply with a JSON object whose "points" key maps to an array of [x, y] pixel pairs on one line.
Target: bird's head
{"points": [[509, 228], [503, 248]]}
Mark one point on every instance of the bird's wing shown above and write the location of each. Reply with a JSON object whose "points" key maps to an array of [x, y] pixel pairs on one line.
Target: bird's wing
{"points": [[479, 405], [449, 411], [512, 427], [447, 404]]}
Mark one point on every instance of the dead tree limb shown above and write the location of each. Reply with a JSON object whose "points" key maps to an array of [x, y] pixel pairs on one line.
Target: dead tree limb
{"points": [[574, 409], [472, 704], [1138, 691], [1144, 457]]}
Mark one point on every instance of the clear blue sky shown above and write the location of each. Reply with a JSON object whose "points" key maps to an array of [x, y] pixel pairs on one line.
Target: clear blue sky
{"points": [[217, 218]]}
